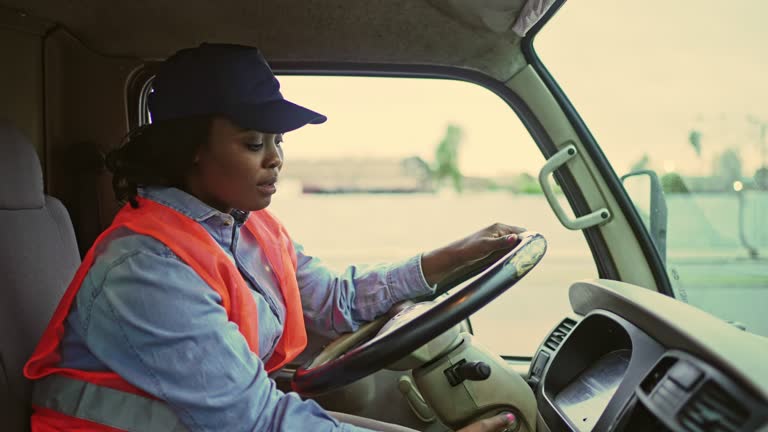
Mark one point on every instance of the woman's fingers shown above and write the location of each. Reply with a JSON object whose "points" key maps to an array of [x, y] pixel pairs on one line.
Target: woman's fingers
{"points": [[441, 262], [505, 241], [503, 236], [496, 423], [502, 229]]}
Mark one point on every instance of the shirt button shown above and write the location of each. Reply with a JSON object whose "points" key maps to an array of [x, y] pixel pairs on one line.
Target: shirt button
{"points": [[266, 267]]}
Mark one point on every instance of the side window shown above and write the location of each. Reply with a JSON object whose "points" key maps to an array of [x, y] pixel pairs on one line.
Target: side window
{"points": [[405, 165], [685, 102]]}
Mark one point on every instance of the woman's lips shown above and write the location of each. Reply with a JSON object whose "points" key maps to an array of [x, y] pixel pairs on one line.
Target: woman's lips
{"points": [[267, 188]]}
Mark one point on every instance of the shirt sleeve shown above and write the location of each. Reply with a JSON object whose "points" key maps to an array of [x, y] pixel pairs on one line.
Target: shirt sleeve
{"points": [[336, 303], [156, 323]]}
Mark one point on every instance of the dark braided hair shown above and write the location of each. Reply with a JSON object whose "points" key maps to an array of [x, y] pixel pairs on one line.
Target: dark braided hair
{"points": [[157, 154]]}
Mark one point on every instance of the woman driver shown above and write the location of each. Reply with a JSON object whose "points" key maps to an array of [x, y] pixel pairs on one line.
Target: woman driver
{"points": [[195, 292]]}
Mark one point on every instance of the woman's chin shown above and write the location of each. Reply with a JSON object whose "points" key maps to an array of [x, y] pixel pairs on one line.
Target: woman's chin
{"points": [[259, 203]]}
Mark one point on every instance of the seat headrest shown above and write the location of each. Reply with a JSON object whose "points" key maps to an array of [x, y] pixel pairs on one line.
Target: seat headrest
{"points": [[21, 178]]}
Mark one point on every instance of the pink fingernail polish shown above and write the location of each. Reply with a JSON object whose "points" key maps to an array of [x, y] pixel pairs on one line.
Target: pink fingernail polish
{"points": [[510, 418], [512, 238]]}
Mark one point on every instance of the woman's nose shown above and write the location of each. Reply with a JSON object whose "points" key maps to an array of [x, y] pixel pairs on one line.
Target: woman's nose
{"points": [[273, 157]]}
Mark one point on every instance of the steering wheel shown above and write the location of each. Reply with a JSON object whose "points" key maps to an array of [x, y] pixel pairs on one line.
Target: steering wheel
{"points": [[364, 352]]}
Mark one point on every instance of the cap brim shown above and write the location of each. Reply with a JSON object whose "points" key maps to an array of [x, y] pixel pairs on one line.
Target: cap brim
{"points": [[278, 116]]}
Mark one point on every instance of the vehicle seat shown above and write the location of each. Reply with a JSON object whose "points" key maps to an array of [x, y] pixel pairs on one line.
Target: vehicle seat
{"points": [[38, 257]]}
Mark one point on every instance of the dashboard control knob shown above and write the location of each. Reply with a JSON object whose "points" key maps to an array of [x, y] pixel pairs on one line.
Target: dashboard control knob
{"points": [[464, 370], [475, 371]]}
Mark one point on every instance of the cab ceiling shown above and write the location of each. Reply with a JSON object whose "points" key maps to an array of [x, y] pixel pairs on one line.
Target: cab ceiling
{"points": [[438, 32]]}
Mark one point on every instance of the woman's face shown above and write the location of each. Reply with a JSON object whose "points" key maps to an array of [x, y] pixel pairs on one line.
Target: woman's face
{"points": [[237, 169]]}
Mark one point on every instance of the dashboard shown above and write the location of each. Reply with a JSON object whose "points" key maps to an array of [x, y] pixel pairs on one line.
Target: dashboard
{"points": [[634, 360]]}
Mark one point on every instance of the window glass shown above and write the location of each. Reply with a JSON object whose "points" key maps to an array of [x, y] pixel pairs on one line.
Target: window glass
{"points": [[405, 165], [678, 89]]}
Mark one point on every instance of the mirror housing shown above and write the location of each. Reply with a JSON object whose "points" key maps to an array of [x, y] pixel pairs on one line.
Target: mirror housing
{"points": [[657, 209]]}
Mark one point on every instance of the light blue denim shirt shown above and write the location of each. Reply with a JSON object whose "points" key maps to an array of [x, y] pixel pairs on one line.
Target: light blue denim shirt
{"points": [[144, 314]]}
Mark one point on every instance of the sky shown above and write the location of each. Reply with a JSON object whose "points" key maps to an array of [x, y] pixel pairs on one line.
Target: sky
{"points": [[641, 74]]}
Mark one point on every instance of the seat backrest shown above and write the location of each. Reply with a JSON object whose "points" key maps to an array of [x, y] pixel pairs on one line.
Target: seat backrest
{"points": [[38, 257]]}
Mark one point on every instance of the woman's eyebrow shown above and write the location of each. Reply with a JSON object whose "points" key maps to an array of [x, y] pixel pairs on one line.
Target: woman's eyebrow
{"points": [[251, 134]]}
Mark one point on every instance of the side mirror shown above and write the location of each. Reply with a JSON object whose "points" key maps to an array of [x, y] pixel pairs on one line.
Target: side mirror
{"points": [[644, 187]]}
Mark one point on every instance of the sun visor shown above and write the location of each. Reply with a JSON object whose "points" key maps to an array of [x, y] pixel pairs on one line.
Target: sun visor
{"points": [[532, 12], [498, 16]]}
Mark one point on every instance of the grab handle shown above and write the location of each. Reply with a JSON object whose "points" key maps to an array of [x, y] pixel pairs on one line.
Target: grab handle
{"points": [[557, 160]]}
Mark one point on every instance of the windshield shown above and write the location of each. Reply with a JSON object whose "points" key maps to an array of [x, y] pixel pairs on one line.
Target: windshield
{"points": [[676, 92], [405, 165]]}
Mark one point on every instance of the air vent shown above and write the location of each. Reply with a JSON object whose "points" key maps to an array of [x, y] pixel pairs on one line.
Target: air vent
{"points": [[712, 409], [559, 333]]}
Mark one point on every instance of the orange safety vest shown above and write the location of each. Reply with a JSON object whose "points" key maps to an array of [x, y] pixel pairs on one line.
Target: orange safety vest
{"points": [[195, 246]]}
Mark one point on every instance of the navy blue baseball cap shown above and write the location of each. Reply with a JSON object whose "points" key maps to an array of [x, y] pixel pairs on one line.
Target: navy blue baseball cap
{"points": [[223, 79]]}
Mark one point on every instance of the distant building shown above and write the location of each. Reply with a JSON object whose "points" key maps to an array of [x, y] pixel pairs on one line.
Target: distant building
{"points": [[703, 184], [358, 175]]}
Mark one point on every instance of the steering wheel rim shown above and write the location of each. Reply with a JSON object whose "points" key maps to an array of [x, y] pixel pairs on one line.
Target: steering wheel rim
{"points": [[383, 350]]}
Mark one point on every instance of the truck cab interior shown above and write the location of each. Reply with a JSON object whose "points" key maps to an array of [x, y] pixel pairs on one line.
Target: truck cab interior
{"points": [[633, 352]]}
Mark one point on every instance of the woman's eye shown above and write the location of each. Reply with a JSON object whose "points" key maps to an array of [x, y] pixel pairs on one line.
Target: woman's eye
{"points": [[254, 146]]}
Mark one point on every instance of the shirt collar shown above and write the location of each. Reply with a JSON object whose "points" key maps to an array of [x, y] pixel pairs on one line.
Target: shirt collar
{"points": [[185, 203]]}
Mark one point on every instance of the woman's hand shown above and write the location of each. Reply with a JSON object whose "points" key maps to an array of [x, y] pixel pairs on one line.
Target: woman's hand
{"points": [[496, 423], [441, 262]]}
